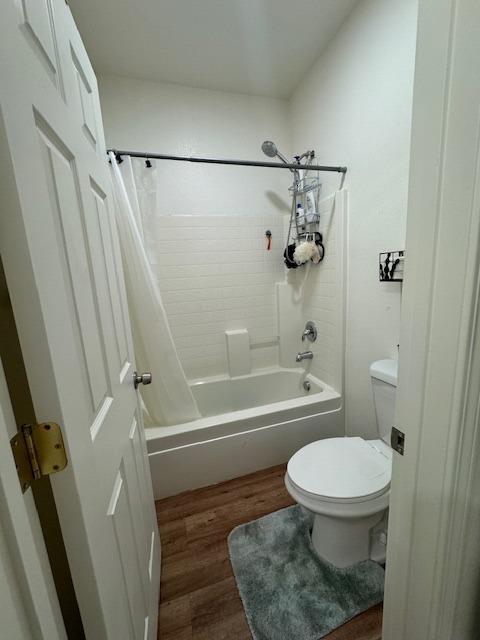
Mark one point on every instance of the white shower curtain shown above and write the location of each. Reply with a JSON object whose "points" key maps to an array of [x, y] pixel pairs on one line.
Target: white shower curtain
{"points": [[168, 400]]}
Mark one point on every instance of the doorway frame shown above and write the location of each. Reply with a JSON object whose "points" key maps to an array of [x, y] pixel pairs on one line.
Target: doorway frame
{"points": [[439, 343], [439, 369]]}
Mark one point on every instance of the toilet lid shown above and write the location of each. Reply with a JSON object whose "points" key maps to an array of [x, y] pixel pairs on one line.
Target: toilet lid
{"points": [[341, 469]]}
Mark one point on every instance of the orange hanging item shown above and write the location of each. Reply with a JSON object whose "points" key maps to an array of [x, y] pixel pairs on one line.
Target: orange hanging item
{"points": [[268, 239]]}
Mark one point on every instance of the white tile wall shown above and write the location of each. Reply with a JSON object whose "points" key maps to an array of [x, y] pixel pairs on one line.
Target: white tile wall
{"points": [[323, 297], [215, 274], [322, 301]]}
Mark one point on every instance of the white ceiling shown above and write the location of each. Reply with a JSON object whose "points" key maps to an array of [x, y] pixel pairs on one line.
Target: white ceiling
{"points": [[260, 47]]}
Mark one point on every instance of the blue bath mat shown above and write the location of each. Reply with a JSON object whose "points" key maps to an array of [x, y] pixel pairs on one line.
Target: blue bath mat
{"points": [[287, 591]]}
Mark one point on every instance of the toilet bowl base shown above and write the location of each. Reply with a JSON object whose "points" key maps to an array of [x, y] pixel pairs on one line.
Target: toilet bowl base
{"points": [[345, 541]]}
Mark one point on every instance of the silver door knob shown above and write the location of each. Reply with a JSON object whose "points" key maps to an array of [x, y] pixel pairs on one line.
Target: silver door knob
{"points": [[144, 378]]}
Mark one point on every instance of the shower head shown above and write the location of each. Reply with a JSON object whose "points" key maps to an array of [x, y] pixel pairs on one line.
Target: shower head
{"points": [[269, 148]]}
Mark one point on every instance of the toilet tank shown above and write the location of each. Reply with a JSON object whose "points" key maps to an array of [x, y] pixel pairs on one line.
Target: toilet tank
{"points": [[384, 383]]}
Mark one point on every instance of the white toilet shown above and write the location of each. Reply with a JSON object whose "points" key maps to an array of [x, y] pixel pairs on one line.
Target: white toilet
{"points": [[345, 482]]}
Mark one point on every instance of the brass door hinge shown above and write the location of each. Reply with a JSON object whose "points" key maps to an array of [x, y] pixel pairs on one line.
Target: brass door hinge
{"points": [[39, 451]]}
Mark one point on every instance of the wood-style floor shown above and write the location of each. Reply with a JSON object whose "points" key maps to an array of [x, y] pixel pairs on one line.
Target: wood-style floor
{"points": [[199, 597]]}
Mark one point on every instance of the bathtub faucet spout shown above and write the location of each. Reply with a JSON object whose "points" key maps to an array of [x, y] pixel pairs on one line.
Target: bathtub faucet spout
{"points": [[304, 355]]}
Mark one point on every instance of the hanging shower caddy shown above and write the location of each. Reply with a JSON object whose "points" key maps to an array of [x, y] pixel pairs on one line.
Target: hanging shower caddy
{"points": [[304, 228]]}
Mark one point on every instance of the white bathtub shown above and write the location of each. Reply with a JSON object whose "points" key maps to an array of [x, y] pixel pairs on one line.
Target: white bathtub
{"points": [[219, 395], [248, 423]]}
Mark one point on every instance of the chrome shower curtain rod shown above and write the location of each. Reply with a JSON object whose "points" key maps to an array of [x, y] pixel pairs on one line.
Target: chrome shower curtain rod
{"points": [[242, 163]]}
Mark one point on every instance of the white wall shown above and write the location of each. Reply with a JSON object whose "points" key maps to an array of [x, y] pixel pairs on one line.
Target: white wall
{"points": [[171, 119], [354, 109]]}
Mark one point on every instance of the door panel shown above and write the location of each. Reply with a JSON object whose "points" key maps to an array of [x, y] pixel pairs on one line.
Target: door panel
{"points": [[100, 241], [62, 263], [64, 191], [121, 512], [37, 16], [86, 100], [135, 469]]}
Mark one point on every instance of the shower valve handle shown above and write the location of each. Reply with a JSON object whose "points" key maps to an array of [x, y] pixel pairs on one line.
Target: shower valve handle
{"points": [[310, 332], [144, 378]]}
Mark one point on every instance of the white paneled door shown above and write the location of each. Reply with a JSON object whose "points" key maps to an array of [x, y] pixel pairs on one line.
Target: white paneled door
{"points": [[60, 252]]}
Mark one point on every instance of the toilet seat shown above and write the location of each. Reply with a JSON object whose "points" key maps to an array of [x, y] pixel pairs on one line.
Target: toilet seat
{"points": [[345, 483], [343, 471]]}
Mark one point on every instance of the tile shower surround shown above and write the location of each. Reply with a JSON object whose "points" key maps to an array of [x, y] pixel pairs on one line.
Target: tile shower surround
{"points": [[215, 274]]}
